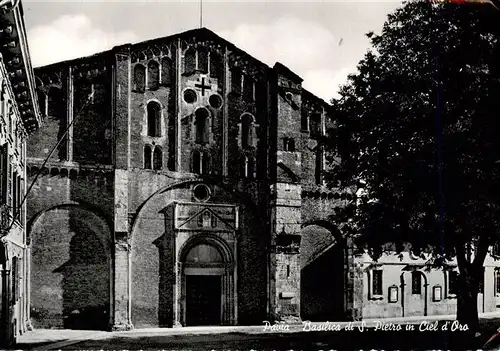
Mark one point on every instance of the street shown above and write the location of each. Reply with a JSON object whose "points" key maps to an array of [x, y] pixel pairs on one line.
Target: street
{"points": [[312, 340]]}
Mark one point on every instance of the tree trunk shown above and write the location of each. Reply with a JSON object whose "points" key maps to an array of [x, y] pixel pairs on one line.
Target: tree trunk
{"points": [[468, 286]]}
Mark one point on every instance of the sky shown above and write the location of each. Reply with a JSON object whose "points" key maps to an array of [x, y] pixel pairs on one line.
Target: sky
{"points": [[321, 41]]}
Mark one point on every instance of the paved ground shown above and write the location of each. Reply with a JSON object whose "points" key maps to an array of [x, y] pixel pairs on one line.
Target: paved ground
{"points": [[260, 338]]}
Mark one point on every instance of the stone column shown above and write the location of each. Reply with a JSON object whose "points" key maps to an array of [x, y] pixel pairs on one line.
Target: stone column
{"points": [[121, 263], [177, 296]]}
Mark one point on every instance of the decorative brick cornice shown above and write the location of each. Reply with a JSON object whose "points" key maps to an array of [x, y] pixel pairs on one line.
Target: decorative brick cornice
{"points": [[17, 60]]}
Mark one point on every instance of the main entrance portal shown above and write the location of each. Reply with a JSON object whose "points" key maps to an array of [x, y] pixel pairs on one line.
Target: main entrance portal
{"points": [[205, 281], [203, 300]]}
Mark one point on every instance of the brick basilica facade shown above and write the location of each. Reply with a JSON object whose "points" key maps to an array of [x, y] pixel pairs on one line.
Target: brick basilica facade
{"points": [[187, 191]]}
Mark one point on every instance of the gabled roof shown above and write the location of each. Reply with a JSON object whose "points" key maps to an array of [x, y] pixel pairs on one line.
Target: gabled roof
{"points": [[199, 32]]}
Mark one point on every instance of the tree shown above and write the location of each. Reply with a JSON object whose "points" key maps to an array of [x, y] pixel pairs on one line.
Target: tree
{"points": [[418, 135]]}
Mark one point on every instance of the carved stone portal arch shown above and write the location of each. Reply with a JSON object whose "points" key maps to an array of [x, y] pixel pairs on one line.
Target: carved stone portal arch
{"points": [[206, 260]]}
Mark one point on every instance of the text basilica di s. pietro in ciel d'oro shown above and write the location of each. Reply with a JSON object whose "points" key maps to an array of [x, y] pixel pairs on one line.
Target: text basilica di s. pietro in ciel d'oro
{"points": [[425, 326]]}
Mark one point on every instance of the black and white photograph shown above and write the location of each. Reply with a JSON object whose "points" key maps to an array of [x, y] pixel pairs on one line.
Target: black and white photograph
{"points": [[249, 175]]}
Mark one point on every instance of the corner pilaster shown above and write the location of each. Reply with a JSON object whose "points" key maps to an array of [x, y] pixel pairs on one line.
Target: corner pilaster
{"points": [[121, 304], [121, 301], [285, 264], [354, 284]]}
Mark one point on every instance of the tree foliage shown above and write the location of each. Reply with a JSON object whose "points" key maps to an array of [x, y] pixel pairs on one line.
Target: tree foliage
{"points": [[418, 134]]}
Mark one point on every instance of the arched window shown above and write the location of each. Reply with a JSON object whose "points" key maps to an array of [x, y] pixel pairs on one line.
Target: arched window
{"points": [[154, 119], [201, 162], [246, 131], [190, 60], [147, 157], [166, 71], [139, 78], [203, 60], [153, 75], [201, 126], [157, 158], [215, 65], [196, 162]]}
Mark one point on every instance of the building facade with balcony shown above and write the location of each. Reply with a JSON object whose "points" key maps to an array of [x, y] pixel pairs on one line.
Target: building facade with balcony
{"points": [[19, 117]]}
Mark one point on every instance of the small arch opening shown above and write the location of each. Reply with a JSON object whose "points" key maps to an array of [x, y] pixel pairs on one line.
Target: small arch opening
{"points": [[147, 157], [139, 78], [166, 71], [157, 158], [190, 60], [153, 75], [154, 119], [246, 131], [201, 126]]}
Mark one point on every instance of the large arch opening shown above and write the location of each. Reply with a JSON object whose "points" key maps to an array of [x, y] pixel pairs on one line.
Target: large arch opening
{"points": [[70, 269], [322, 259]]}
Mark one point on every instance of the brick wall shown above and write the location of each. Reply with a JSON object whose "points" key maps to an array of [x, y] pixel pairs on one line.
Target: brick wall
{"points": [[70, 275], [92, 134], [65, 91], [152, 269]]}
